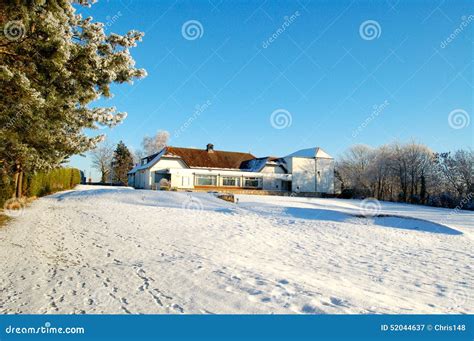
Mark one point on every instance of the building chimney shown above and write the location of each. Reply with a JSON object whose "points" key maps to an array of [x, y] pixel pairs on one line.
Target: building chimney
{"points": [[210, 148]]}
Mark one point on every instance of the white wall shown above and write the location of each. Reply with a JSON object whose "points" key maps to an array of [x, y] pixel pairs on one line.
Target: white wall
{"points": [[304, 174], [270, 184], [177, 180], [168, 163], [325, 183], [306, 177]]}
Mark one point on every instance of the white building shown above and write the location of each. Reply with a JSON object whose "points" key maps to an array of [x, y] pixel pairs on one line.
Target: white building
{"points": [[307, 171]]}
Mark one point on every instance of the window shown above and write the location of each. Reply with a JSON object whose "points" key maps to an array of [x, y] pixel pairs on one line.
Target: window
{"points": [[251, 182], [231, 181], [185, 181], [206, 180]]}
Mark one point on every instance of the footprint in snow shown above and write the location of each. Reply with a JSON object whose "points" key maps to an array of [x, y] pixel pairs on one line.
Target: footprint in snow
{"points": [[309, 309], [337, 301]]}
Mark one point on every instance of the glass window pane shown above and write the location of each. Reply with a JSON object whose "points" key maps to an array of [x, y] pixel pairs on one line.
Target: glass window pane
{"points": [[206, 180], [230, 181], [251, 182]]}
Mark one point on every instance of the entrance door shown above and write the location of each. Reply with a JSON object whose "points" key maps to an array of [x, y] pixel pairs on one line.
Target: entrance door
{"points": [[285, 185]]}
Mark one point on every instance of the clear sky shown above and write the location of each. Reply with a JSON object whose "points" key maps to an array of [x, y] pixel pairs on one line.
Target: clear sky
{"points": [[333, 73]]}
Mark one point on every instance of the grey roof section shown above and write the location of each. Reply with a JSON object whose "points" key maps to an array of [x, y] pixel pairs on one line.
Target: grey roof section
{"points": [[257, 164]]}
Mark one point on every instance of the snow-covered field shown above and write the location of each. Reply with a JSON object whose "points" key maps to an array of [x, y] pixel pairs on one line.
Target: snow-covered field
{"points": [[119, 250]]}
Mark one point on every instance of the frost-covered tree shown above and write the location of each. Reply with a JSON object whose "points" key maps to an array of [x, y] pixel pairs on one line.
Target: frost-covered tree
{"points": [[458, 170], [122, 163], [353, 167], [408, 172], [154, 144], [53, 64]]}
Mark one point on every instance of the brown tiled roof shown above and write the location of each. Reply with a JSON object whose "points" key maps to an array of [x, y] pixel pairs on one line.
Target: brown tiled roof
{"points": [[209, 159]]}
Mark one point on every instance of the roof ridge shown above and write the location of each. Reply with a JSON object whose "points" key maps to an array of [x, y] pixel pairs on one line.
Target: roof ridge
{"points": [[215, 150]]}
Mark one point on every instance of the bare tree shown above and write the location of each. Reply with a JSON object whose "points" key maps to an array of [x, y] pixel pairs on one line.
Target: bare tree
{"points": [[352, 169], [380, 174], [457, 169], [102, 157], [138, 155], [154, 144], [408, 172]]}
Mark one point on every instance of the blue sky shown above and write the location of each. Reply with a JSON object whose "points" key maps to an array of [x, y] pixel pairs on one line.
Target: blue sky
{"points": [[336, 83]]}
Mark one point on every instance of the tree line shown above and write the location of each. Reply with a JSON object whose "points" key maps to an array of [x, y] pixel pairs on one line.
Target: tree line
{"points": [[114, 162], [409, 173]]}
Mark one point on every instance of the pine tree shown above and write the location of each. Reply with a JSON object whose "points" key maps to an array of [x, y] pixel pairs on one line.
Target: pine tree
{"points": [[53, 64], [122, 163]]}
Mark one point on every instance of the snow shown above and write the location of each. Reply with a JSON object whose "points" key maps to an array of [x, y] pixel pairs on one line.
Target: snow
{"points": [[120, 250], [311, 153]]}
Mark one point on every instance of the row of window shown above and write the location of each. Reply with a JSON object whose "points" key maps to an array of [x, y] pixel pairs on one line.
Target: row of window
{"points": [[228, 181]]}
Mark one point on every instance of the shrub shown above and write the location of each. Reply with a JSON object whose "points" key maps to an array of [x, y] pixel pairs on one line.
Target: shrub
{"points": [[59, 179], [7, 187]]}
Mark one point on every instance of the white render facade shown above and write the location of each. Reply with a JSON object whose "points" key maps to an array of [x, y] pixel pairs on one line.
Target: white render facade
{"points": [[306, 171]]}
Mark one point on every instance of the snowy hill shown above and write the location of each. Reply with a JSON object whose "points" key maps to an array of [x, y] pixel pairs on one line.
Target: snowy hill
{"points": [[119, 250]]}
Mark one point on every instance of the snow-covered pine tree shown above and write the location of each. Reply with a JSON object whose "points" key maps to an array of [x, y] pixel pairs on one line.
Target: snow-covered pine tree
{"points": [[122, 163], [53, 64]]}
